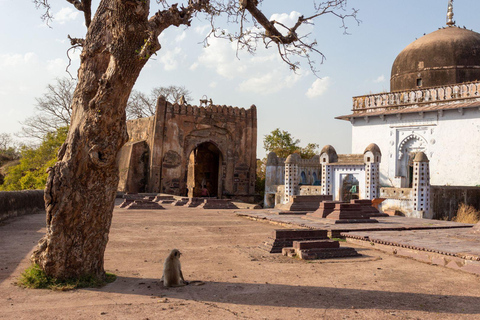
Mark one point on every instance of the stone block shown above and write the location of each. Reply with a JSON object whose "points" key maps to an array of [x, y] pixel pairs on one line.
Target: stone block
{"points": [[325, 208], [162, 199], [315, 244], [282, 238], [144, 204], [349, 213], [194, 202], [180, 202], [210, 203], [299, 234], [306, 203]]}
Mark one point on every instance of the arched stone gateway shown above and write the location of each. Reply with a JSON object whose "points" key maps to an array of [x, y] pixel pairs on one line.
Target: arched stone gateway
{"points": [[183, 146], [204, 171]]}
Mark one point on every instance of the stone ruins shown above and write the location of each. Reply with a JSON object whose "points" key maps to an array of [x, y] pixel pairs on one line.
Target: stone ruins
{"points": [[183, 149]]}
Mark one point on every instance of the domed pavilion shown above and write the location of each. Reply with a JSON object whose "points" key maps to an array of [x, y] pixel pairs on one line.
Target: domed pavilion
{"points": [[433, 107]]}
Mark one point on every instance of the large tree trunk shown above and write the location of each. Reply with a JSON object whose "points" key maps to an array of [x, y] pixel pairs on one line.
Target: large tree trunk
{"points": [[81, 187]]}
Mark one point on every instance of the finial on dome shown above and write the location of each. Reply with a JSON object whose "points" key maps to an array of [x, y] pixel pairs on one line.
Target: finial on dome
{"points": [[450, 21]]}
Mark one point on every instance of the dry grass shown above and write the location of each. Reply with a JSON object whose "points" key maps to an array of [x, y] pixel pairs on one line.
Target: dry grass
{"points": [[467, 214]]}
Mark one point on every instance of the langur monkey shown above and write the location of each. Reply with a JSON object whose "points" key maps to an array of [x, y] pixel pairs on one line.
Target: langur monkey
{"points": [[172, 270]]}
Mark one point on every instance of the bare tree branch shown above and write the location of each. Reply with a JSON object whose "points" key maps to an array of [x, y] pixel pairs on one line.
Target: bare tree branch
{"points": [[141, 105], [53, 110]]}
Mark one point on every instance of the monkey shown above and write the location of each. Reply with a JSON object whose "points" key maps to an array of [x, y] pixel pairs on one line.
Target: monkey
{"points": [[172, 270]]}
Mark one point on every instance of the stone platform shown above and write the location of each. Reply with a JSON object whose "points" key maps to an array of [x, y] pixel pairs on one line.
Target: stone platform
{"points": [[210, 203], [144, 204], [444, 243], [282, 238], [306, 203], [452, 248], [164, 199], [180, 202], [395, 223], [319, 249], [350, 213]]}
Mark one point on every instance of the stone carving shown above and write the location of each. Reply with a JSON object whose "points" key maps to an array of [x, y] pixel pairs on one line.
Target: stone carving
{"points": [[171, 159]]}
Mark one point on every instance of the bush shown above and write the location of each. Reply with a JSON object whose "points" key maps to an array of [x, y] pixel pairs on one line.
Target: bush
{"points": [[31, 172], [466, 214]]}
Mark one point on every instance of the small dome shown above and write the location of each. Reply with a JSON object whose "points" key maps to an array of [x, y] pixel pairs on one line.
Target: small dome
{"points": [[373, 148], [272, 158], [293, 158], [420, 157], [446, 56], [328, 149]]}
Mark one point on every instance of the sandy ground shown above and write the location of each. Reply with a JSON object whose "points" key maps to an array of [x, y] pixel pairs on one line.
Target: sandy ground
{"points": [[241, 280]]}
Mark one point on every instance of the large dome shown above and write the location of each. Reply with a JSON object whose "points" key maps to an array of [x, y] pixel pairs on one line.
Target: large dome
{"points": [[446, 56]]}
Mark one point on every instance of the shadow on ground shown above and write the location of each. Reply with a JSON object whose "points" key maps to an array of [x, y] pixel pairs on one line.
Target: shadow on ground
{"points": [[18, 236], [277, 295]]}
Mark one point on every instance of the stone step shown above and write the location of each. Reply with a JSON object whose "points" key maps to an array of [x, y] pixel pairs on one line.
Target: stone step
{"points": [[144, 205]]}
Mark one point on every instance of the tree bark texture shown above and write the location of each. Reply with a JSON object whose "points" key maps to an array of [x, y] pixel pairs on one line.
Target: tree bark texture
{"points": [[81, 187]]}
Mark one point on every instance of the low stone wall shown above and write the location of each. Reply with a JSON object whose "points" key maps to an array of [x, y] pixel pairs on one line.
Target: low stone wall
{"points": [[446, 199], [16, 203]]}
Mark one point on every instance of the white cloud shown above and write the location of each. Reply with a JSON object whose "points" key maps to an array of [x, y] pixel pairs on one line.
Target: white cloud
{"points": [[24, 77], [213, 84], [203, 30], [194, 66], [263, 73], [181, 37], [270, 82], [289, 20], [380, 79], [66, 14], [319, 87], [171, 58]]}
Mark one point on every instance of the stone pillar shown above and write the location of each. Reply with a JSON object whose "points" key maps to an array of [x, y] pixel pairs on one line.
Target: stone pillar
{"points": [[291, 176], [421, 186], [372, 158], [327, 155], [155, 143]]}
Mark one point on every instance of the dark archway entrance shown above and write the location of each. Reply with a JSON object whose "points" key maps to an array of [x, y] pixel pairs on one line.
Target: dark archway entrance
{"points": [[203, 171], [350, 188]]}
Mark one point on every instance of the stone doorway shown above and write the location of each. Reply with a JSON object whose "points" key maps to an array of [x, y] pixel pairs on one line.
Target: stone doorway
{"points": [[350, 188], [203, 171]]}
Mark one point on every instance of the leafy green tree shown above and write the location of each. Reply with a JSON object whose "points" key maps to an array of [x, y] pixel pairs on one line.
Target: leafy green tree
{"points": [[31, 172], [260, 177], [283, 144]]}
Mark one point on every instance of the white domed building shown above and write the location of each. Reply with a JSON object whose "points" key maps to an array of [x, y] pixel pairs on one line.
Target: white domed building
{"points": [[433, 108]]}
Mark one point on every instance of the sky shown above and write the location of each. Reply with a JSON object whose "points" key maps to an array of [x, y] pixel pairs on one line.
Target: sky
{"points": [[33, 55]]}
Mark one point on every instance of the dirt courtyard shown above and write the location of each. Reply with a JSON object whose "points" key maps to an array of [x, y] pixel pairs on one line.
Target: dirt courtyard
{"points": [[241, 280]]}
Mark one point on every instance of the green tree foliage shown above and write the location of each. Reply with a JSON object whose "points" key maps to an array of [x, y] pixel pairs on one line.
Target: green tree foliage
{"points": [[31, 172], [283, 144], [260, 177]]}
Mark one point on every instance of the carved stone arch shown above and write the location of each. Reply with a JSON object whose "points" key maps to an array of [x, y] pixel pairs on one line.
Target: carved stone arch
{"points": [[407, 149], [192, 146], [408, 139]]}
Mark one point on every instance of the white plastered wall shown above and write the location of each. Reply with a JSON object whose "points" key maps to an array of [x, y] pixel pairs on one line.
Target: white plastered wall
{"points": [[450, 139]]}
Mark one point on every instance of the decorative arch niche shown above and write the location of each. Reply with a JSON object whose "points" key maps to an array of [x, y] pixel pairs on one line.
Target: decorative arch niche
{"points": [[406, 151]]}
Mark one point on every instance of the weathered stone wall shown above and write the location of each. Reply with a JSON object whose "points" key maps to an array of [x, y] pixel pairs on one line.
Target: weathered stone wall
{"points": [[310, 190], [16, 203], [446, 199], [176, 130], [133, 167]]}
